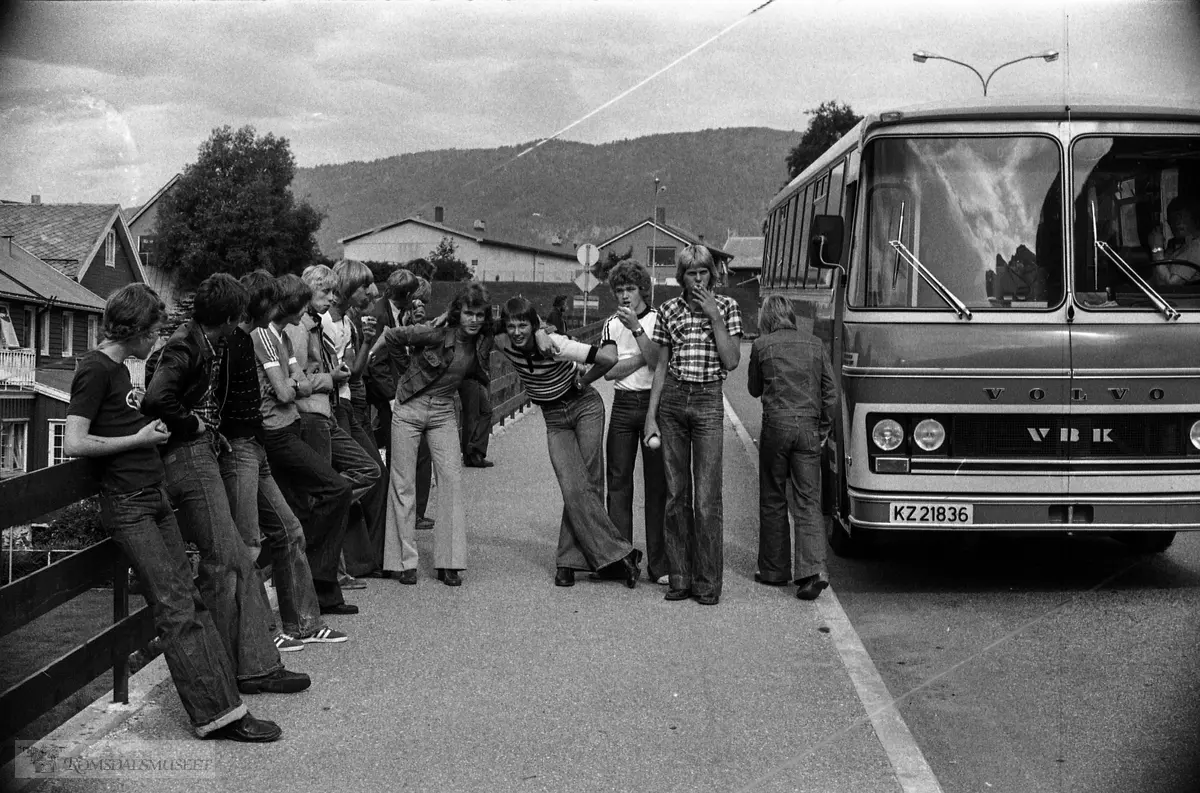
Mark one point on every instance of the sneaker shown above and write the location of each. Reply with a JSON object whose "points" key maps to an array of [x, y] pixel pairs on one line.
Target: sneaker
{"points": [[663, 580], [350, 582], [326, 636], [287, 644]]}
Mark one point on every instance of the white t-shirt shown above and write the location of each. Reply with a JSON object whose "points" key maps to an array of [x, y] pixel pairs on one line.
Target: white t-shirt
{"points": [[627, 347], [337, 336]]}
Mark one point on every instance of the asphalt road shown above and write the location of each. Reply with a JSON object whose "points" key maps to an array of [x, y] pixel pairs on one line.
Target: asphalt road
{"points": [[1056, 663]]}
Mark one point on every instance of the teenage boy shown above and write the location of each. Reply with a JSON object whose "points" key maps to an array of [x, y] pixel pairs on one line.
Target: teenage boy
{"points": [[630, 329], [104, 424], [349, 345], [405, 302], [317, 494], [181, 393], [696, 343], [258, 505], [574, 416]]}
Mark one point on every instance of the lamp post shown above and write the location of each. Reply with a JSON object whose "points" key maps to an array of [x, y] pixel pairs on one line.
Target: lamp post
{"points": [[1049, 56], [654, 238]]}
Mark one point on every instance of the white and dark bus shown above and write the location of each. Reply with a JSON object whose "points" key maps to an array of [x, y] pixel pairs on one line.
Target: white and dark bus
{"points": [[1011, 295]]}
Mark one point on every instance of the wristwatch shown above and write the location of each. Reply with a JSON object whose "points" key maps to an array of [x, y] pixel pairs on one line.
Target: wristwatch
{"points": [[638, 332]]}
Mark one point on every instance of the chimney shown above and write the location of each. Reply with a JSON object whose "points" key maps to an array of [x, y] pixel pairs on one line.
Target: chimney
{"points": [[660, 215], [35, 199], [439, 215], [7, 244], [479, 225], [701, 239]]}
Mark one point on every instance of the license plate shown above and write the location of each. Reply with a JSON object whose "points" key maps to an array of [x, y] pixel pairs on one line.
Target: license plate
{"points": [[938, 514]]}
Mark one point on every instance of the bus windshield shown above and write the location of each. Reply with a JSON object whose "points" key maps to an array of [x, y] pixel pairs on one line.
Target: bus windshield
{"points": [[983, 214], [1136, 221]]}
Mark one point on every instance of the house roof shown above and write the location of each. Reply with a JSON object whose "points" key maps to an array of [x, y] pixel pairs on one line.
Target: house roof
{"points": [[459, 232], [133, 215], [54, 383], [25, 277], [62, 235], [747, 252], [677, 233]]}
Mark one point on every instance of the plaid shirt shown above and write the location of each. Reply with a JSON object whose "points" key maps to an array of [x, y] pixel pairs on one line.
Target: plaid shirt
{"points": [[689, 336]]}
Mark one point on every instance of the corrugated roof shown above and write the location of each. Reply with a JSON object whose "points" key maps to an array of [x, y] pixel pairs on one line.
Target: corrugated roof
{"points": [[747, 252], [24, 276], [62, 235], [450, 230]]}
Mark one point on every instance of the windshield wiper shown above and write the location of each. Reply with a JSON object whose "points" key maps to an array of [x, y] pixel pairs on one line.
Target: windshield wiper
{"points": [[941, 289], [1161, 304]]}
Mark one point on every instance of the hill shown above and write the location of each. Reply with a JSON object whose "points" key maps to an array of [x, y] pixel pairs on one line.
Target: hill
{"points": [[716, 180]]}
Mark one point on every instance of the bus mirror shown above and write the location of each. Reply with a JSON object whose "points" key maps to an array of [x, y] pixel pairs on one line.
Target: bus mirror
{"points": [[825, 246]]}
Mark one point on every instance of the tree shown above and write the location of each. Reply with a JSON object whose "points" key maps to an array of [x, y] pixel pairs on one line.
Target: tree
{"points": [[605, 265], [232, 211], [447, 266], [829, 122]]}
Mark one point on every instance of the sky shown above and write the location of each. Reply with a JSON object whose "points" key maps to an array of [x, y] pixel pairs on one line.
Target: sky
{"points": [[104, 101]]}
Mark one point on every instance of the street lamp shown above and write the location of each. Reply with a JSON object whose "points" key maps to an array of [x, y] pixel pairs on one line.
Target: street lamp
{"points": [[654, 237], [1049, 56]]}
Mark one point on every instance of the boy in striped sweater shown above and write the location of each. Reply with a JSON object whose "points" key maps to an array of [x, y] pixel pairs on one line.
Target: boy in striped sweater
{"points": [[574, 415]]}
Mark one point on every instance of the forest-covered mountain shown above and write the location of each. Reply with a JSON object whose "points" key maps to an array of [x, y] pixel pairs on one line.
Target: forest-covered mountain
{"points": [[717, 181]]}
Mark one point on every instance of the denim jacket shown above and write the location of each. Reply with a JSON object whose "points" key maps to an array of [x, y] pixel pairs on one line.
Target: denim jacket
{"points": [[432, 350], [790, 370], [177, 377]]}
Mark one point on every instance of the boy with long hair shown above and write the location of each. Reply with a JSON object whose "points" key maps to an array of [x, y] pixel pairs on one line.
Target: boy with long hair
{"points": [[104, 424]]}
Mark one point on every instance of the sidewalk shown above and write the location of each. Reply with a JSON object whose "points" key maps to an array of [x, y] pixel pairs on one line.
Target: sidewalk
{"points": [[511, 684]]}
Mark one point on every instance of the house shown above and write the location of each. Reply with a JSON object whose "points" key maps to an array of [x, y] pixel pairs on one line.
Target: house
{"points": [[88, 243], [143, 228], [654, 240], [747, 253], [46, 321], [490, 259]]}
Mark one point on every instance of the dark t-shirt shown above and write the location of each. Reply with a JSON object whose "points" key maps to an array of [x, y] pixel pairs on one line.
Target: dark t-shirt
{"points": [[101, 391]]}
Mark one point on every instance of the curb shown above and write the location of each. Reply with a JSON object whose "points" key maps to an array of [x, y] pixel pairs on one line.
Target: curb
{"points": [[90, 725]]}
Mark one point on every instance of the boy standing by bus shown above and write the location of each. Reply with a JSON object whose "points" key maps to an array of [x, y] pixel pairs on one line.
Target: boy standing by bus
{"points": [[630, 329], [696, 343], [105, 424]]}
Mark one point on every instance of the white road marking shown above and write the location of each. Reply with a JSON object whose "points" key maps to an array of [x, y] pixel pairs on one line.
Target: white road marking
{"points": [[912, 771]]}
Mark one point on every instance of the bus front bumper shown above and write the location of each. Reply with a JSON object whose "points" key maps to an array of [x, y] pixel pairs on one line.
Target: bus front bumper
{"points": [[989, 512]]}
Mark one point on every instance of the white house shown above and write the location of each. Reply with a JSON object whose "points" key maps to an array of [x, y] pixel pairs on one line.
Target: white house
{"points": [[490, 259]]}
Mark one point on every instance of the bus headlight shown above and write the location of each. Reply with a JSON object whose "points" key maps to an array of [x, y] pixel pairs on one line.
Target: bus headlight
{"points": [[887, 435], [1194, 434], [929, 435]]}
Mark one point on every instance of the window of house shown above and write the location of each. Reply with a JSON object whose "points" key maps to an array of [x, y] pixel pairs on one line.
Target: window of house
{"points": [[93, 340], [663, 256], [28, 329], [56, 449], [146, 248], [68, 333], [110, 249], [8, 332], [13, 437], [44, 332]]}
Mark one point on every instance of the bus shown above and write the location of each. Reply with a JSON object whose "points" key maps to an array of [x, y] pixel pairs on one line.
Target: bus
{"points": [[1011, 297]]}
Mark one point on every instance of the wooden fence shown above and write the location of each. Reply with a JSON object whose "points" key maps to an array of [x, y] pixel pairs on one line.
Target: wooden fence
{"points": [[26, 498]]}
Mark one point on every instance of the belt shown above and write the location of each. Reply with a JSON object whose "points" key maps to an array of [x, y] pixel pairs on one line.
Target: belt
{"points": [[562, 401]]}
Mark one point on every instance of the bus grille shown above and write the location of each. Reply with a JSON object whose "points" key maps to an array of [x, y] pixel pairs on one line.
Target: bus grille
{"points": [[1059, 437]]}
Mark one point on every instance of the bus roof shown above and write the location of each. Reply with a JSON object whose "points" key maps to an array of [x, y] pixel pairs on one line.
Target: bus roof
{"points": [[1089, 107], [1042, 108]]}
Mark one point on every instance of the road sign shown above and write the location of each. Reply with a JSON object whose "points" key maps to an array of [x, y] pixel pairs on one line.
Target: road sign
{"points": [[587, 254], [587, 301], [586, 281]]}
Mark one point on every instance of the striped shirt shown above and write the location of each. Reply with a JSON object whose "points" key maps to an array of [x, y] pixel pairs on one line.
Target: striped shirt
{"points": [[547, 379], [689, 335], [273, 350]]}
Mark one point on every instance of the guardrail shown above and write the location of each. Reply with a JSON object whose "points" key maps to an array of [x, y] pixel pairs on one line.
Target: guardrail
{"points": [[17, 367], [28, 497]]}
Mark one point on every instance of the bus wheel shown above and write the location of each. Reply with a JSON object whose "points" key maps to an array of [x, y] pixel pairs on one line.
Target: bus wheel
{"points": [[1146, 541], [845, 544]]}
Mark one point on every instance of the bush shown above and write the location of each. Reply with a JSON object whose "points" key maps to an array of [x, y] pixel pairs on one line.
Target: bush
{"points": [[77, 527]]}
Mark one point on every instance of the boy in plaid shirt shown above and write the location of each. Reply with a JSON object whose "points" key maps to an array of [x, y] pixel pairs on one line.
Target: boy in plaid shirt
{"points": [[696, 342]]}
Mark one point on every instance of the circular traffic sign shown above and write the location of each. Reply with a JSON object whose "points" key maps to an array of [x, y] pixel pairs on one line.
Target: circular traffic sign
{"points": [[587, 254]]}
